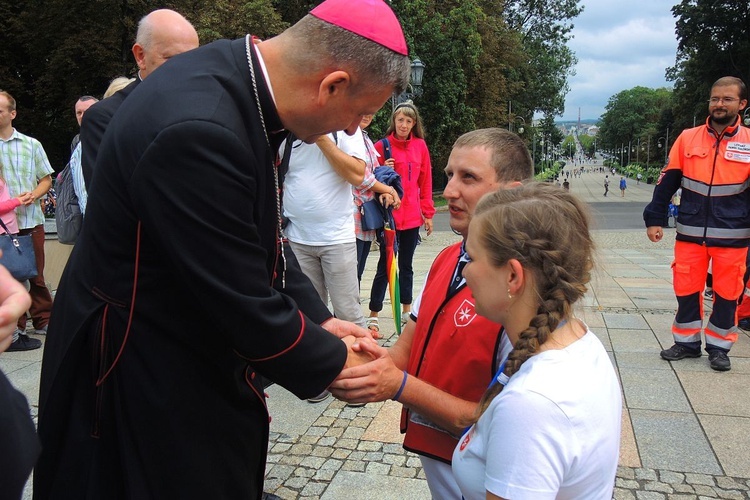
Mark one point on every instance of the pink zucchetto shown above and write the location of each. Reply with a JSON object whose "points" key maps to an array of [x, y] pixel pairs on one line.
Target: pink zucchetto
{"points": [[371, 19]]}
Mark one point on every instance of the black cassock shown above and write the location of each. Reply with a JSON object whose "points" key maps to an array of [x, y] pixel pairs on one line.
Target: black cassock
{"points": [[178, 412]]}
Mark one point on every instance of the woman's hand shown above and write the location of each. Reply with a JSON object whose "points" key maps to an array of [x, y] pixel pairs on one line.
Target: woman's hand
{"points": [[428, 226], [390, 199]]}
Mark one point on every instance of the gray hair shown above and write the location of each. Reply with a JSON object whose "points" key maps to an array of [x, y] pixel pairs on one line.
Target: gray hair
{"points": [[321, 43]]}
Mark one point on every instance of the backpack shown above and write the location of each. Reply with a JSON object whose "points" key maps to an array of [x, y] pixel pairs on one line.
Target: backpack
{"points": [[68, 214]]}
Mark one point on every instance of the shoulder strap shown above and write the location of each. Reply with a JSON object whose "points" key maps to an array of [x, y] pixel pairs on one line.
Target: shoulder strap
{"points": [[284, 166]]}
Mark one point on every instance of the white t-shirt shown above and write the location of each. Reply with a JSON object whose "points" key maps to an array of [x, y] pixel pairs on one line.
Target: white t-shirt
{"points": [[317, 200], [553, 432]]}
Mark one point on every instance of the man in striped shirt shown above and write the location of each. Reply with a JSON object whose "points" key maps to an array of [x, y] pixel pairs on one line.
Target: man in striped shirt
{"points": [[26, 169]]}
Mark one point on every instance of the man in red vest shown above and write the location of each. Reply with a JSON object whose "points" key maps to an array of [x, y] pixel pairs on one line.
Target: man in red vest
{"points": [[447, 354]]}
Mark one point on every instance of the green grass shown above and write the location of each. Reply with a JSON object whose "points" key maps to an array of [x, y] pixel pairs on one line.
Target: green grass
{"points": [[439, 201]]}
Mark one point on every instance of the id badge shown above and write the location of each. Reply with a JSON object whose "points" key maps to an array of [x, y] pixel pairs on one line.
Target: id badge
{"points": [[738, 151]]}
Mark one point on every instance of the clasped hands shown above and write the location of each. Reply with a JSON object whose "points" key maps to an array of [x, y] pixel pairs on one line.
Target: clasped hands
{"points": [[369, 374]]}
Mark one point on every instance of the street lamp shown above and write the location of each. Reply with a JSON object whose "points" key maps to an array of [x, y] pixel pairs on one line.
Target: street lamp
{"points": [[638, 151], [417, 72], [521, 128], [665, 145]]}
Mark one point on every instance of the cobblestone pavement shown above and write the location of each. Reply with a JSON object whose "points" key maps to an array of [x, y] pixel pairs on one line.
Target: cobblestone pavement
{"points": [[686, 429], [650, 484]]}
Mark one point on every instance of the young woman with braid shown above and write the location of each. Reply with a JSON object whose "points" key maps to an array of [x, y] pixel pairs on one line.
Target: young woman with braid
{"points": [[552, 429]]}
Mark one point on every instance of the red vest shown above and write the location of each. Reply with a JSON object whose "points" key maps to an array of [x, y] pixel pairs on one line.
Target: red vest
{"points": [[454, 350]]}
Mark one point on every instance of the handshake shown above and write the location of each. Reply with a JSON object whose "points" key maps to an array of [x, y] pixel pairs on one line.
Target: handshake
{"points": [[370, 374]]}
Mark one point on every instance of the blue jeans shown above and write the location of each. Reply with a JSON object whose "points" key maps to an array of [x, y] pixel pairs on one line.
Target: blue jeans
{"points": [[407, 244]]}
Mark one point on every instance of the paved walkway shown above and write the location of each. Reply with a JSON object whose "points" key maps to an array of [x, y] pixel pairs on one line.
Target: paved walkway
{"points": [[686, 428]]}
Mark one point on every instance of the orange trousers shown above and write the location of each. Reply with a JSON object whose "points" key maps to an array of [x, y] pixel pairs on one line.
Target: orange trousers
{"points": [[689, 271]]}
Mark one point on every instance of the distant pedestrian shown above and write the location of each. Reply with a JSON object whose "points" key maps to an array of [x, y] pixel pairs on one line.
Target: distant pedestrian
{"points": [[566, 185], [623, 186], [638, 179], [606, 185]]}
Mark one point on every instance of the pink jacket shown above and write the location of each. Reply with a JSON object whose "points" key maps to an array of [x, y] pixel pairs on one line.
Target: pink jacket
{"points": [[8, 209], [415, 168]]}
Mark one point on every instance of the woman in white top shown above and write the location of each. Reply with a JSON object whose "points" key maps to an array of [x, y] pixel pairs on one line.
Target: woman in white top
{"points": [[551, 430]]}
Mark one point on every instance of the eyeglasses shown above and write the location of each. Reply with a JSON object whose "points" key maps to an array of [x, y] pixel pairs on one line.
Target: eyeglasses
{"points": [[725, 100]]}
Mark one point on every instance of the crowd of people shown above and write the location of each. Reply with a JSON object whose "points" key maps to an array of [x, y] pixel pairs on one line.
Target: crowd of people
{"points": [[223, 215]]}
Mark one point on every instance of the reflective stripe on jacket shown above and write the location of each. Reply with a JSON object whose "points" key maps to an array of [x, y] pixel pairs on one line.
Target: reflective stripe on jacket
{"points": [[714, 171]]}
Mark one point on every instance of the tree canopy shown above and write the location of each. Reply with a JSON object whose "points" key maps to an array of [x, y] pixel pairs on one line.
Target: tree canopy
{"points": [[480, 55], [638, 116], [713, 41]]}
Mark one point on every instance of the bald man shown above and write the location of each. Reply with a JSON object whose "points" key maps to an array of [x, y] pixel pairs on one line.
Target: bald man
{"points": [[180, 291], [161, 35]]}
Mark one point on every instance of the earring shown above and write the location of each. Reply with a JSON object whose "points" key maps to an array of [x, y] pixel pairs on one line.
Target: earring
{"points": [[509, 295]]}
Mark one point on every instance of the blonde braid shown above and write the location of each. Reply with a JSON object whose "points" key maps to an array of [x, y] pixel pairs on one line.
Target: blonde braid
{"points": [[530, 224]]}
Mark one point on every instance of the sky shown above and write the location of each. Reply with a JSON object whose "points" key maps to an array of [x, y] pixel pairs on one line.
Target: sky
{"points": [[619, 45]]}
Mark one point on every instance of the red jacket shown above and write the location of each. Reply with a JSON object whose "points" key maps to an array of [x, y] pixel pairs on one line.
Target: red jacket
{"points": [[454, 350], [415, 168]]}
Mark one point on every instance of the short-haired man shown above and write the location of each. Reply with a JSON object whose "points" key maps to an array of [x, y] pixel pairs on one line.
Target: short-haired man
{"points": [[162, 34], [79, 185], [27, 173], [712, 165], [180, 291], [446, 356]]}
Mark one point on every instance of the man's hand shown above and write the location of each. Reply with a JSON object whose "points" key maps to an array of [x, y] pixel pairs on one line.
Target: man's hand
{"points": [[355, 357], [428, 226], [377, 380], [654, 233], [26, 198], [342, 328]]}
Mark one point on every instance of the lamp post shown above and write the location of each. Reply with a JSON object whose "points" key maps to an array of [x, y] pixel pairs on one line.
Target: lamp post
{"points": [[622, 151], [521, 128], [665, 145], [417, 72], [638, 151]]}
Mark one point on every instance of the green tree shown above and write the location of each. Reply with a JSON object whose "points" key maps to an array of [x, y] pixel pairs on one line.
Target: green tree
{"points": [[588, 144], [636, 114], [569, 147], [235, 18], [713, 41], [545, 29]]}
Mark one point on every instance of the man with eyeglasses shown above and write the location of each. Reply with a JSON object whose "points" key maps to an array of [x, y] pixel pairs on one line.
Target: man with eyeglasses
{"points": [[712, 165]]}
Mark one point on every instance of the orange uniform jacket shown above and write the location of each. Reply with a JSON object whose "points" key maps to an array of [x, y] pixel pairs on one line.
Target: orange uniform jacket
{"points": [[714, 172]]}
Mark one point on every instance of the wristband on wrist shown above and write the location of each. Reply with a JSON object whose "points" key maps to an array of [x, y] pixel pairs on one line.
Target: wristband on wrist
{"points": [[400, 389]]}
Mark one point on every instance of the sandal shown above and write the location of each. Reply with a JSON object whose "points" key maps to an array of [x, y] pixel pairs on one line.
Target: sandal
{"points": [[372, 323]]}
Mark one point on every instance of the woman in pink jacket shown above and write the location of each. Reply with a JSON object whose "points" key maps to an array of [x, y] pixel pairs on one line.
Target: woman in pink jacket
{"points": [[404, 149]]}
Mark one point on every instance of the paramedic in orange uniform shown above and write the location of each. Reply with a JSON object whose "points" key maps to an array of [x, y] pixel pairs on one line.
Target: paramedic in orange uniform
{"points": [[712, 165]]}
